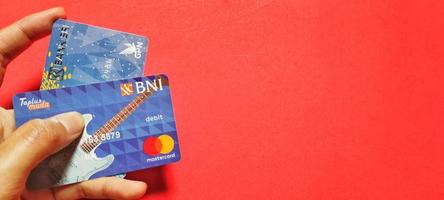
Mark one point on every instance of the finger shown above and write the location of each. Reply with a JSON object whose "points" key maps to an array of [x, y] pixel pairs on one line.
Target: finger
{"points": [[16, 37], [42, 194], [36, 140], [106, 187], [7, 123]]}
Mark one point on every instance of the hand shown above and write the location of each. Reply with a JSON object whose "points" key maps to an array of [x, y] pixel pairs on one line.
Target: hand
{"points": [[23, 148]]}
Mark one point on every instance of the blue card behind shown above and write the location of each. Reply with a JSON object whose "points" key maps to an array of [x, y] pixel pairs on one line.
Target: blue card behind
{"points": [[144, 133], [81, 54]]}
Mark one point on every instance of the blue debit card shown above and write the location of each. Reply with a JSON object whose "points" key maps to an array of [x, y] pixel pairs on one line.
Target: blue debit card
{"points": [[129, 125], [81, 54]]}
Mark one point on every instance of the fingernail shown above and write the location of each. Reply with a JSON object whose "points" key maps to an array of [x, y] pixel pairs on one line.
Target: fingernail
{"points": [[72, 121]]}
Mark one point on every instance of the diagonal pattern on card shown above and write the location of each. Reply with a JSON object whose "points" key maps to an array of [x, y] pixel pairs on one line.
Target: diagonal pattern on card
{"points": [[82, 54]]}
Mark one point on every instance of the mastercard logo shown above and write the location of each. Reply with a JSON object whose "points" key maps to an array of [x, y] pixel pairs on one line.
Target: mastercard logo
{"points": [[163, 144]]}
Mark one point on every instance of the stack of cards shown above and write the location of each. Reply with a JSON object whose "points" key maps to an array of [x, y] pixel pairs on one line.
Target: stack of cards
{"points": [[129, 120]]}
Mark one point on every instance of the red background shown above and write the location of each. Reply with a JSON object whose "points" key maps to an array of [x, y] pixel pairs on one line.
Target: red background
{"points": [[284, 99]]}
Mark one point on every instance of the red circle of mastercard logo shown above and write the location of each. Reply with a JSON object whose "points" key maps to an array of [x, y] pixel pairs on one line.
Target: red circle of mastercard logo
{"points": [[163, 144]]}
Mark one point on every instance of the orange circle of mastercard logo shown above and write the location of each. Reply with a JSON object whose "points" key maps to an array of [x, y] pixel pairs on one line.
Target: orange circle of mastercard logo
{"points": [[154, 145]]}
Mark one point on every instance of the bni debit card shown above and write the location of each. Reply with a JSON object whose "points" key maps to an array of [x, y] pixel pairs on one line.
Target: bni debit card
{"points": [[82, 54], [129, 125]]}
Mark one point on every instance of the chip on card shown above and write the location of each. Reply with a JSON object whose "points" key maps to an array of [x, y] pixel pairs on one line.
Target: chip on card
{"points": [[129, 125], [82, 54]]}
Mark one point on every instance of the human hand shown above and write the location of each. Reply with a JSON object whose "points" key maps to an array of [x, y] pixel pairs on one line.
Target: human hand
{"points": [[23, 148]]}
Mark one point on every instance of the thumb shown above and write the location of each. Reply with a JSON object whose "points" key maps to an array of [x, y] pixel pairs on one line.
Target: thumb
{"points": [[36, 140]]}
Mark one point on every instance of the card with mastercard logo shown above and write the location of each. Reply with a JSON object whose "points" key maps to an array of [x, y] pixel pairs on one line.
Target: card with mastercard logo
{"points": [[129, 125], [81, 54]]}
